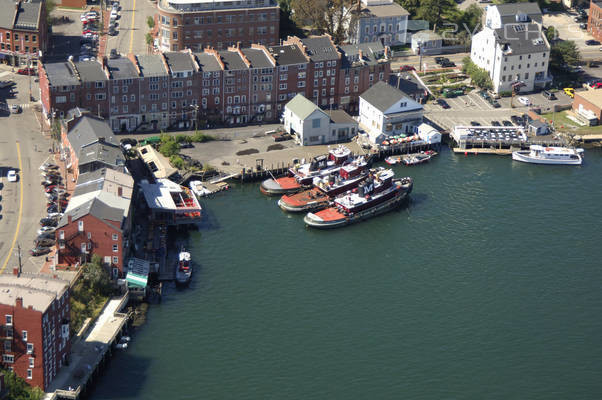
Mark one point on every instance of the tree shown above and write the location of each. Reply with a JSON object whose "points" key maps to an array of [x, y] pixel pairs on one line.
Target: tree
{"points": [[437, 11], [470, 19], [564, 54], [478, 75], [551, 34], [18, 389], [148, 38], [150, 21], [169, 149], [96, 276], [411, 6], [333, 17]]}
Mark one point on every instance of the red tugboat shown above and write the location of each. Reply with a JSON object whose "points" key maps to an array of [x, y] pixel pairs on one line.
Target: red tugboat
{"points": [[301, 176], [372, 197], [327, 187]]}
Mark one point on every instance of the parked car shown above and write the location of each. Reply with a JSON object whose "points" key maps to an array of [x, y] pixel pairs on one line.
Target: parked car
{"points": [[48, 222], [443, 104], [44, 242], [475, 123], [583, 26], [113, 31], [549, 95], [569, 91], [59, 191], [48, 167], [27, 71], [39, 251], [516, 119], [405, 68], [439, 60], [494, 103], [506, 123], [597, 85], [12, 175], [15, 109], [45, 235], [592, 42], [448, 64], [495, 123], [55, 215], [524, 101], [484, 94], [46, 229]]}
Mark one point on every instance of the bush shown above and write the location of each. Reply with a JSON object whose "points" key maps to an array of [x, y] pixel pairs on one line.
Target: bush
{"points": [[478, 75], [506, 93], [169, 149], [177, 162], [183, 138], [18, 389], [199, 137]]}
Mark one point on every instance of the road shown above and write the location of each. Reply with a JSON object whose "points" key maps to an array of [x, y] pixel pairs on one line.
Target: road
{"points": [[24, 149], [132, 27]]}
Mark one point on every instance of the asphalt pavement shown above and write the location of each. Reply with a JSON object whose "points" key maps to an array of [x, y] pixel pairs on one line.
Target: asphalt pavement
{"points": [[132, 27]]}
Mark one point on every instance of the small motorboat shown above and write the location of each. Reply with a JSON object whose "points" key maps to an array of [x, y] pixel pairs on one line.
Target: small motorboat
{"points": [[184, 268]]}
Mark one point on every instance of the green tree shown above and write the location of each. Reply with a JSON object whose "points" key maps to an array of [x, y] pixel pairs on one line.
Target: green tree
{"points": [[551, 34], [177, 162], [470, 19], [564, 54], [479, 76], [50, 6], [150, 21], [169, 149], [18, 389], [411, 6], [326, 16], [96, 276], [437, 11], [148, 38]]}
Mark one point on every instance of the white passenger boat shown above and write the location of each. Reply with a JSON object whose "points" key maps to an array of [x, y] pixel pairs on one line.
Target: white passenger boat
{"points": [[199, 189], [550, 155]]}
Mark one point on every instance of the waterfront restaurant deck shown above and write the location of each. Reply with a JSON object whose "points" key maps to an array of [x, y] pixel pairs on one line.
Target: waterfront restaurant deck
{"points": [[171, 203]]}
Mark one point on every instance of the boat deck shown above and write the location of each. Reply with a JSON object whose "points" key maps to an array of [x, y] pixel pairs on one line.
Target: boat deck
{"points": [[304, 197], [330, 214]]}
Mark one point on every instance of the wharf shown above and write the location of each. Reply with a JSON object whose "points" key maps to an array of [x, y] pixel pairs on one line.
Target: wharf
{"points": [[501, 147], [89, 351]]}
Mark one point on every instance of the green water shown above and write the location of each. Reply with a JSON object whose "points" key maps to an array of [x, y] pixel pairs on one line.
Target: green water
{"points": [[486, 286]]}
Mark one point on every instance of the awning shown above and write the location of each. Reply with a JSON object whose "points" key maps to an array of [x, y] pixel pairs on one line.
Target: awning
{"points": [[136, 280]]}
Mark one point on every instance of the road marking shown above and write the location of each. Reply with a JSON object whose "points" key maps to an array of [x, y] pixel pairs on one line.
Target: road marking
{"points": [[12, 246], [132, 28]]}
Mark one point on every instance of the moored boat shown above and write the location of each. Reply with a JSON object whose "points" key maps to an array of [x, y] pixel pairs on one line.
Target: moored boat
{"points": [[301, 176], [392, 160], [418, 158], [372, 197], [184, 268], [550, 155], [198, 189], [326, 187]]}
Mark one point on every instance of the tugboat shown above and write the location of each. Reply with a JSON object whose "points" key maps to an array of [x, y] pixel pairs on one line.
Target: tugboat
{"points": [[184, 268], [327, 187], [301, 175], [373, 197]]}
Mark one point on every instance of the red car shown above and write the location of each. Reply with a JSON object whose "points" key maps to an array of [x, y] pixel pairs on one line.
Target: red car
{"points": [[596, 85], [27, 71], [405, 68]]}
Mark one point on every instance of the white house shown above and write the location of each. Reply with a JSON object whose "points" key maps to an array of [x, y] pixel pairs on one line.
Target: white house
{"points": [[387, 111], [379, 20], [311, 125], [428, 134], [514, 55], [511, 13]]}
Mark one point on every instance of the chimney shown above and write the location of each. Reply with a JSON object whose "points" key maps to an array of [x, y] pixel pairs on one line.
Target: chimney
{"points": [[359, 5], [69, 218], [238, 45], [387, 52], [19, 302], [361, 55], [16, 271], [120, 191]]}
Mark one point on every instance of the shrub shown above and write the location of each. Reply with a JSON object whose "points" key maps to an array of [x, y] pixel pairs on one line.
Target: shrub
{"points": [[177, 162], [183, 138], [169, 149], [506, 93], [199, 137]]}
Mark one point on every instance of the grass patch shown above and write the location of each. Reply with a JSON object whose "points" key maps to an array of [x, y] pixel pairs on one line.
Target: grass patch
{"points": [[562, 122]]}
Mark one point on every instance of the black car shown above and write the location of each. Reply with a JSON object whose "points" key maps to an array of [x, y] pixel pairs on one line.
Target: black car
{"points": [[506, 123], [447, 64], [49, 222], [475, 123], [443, 103], [439, 60], [494, 103], [592, 42], [516, 119], [44, 242], [52, 209], [39, 251], [495, 123]]}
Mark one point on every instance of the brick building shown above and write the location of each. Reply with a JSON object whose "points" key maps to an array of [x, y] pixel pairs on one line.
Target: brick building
{"points": [[34, 320], [594, 20], [197, 24], [234, 86], [23, 31]]}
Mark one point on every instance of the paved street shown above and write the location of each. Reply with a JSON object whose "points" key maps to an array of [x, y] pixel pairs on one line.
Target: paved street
{"points": [[23, 148], [132, 27]]}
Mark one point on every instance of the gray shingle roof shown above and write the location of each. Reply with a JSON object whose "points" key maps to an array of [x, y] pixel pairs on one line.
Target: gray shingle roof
{"points": [[122, 68], [87, 131], [340, 117], [232, 60], [208, 62], [95, 207], [61, 74], [151, 65], [301, 107], [521, 39], [320, 48], [90, 71], [509, 11], [7, 16], [257, 58], [382, 96], [179, 62], [28, 15], [101, 152], [383, 11], [287, 55], [371, 53]]}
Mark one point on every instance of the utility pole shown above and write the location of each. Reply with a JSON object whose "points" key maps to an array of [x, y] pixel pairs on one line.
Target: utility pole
{"points": [[19, 255]]}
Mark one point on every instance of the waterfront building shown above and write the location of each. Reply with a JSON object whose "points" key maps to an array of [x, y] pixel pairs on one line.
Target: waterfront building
{"points": [[34, 326], [23, 32], [156, 162], [379, 20], [311, 125], [587, 105], [170, 203], [387, 111], [515, 56], [174, 90], [218, 24]]}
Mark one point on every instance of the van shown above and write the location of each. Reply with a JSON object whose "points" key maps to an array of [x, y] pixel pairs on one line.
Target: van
{"points": [[549, 95]]}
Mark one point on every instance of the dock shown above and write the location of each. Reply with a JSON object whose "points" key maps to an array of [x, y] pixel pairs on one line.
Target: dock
{"points": [[89, 352]]}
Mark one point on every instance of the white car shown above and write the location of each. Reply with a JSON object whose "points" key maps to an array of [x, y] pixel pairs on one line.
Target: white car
{"points": [[55, 215], [524, 100], [12, 175], [45, 229]]}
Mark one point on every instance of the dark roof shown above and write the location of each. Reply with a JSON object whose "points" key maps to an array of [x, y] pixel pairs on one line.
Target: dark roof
{"points": [[88, 130], [383, 11], [382, 95], [371, 53], [28, 15], [95, 207], [509, 11], [257, 58], [151, 65], [208, 62], [407, 83], [90, 71], [232, 60], [101, 152], [521, 39], [179, 62], [287, 55], [7, 17], [340, 117], [320, 48], [122, 68], [61, 74]]}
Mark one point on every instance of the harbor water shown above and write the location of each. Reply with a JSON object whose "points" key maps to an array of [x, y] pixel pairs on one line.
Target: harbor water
{"points": [[487, 285]]}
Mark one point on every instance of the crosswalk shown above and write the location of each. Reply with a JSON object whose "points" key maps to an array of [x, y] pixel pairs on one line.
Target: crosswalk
{"points": [[6, 107]]}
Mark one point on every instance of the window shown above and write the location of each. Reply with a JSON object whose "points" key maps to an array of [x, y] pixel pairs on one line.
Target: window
{"points": [[115, 260], [7, 346], [315, 123], [8, 358], [99, 96], [9, 319], [29, 348], [16, 36], [29, 374], [34, 38], [31, 362], [80, 226], [61, 99], [115, 248], [24, 335]]}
